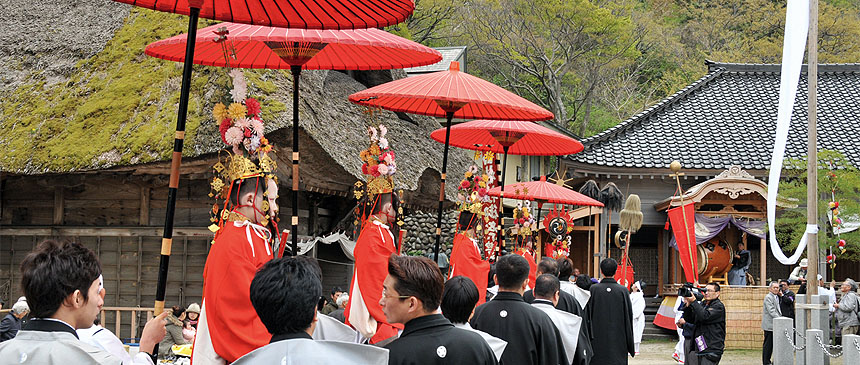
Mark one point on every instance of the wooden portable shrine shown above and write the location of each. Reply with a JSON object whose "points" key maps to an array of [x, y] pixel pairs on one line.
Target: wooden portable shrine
{"points": [[733, 193]]}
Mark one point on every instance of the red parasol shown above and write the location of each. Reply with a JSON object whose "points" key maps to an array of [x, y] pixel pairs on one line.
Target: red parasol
{"points": [[529, 139], [322, 14], [508, 137], [450, 94], [318, 14], [545, 192], [257, 47], [254, 46]]}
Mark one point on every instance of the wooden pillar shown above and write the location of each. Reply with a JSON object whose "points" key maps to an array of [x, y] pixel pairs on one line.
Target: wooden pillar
{"points": [[595, 230], [661, 248], [58, 205], [763, 262], [671, 264], [144, 206], [313, 213]]}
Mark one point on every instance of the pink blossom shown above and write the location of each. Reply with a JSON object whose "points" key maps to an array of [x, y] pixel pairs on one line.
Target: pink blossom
{"points": [[257, 126], [383, 169], [234, 136]]}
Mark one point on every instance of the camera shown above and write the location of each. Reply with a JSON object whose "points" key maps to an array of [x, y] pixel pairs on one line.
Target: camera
{"points": [[689, 290]]}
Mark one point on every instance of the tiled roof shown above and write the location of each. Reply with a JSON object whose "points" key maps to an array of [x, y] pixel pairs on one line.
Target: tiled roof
{"points": [[728, 117], [448, 54]]}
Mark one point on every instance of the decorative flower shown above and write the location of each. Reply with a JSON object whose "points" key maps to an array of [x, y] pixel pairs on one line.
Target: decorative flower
{"points": [[482, 192], [382, 131], [388, 157], [242, 123], [392, 169], [254, 143], [237, 150], [247, 133], [374, 150], [468, 174], [482, 184], [236, 111], [383, 143], [240, 87], [364, 169], [374, 170], [372, 133], [473, 169], [383, 169], [253, 107], [233, 136], [219, 111], [257, 126], [225, 125], [464, 184]]}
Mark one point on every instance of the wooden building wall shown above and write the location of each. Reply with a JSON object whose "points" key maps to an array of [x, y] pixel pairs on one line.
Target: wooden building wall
{"points": [[120, 217]]}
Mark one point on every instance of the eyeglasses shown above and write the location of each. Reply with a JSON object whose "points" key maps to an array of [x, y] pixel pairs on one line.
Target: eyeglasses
{"points": [[385, 295]]}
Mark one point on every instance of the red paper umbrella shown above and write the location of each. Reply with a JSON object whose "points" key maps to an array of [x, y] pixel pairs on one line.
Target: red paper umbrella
{"points": [[254, 46], [545, 192], [317, 14], [281, 48], [453, 93], [514, 137], [450, 94]]}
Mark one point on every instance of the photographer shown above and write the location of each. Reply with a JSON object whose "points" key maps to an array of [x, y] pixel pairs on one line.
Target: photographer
{"points": [[709, 318]]}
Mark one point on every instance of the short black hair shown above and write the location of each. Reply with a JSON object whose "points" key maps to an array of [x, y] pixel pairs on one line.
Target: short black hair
{"points": [[417, 277], [246, 186], [565, 268], [511, 271], [608, 267], [583, 281], [548, 265], [783, 281], [491, 282], [53, 271], [467, 220], [459, 299], [336, 290], [716, 286], [285, 292], [546, 286], [177, 310]]}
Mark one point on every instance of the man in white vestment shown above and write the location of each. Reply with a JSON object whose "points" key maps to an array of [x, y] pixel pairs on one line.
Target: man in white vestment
{"points": [[546, 297]]}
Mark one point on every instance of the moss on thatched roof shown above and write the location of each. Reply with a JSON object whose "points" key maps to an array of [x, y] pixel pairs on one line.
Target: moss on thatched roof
{"points": [[117, 107]]}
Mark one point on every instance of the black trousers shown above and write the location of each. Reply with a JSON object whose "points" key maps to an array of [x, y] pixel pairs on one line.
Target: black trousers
{"points": [[767, 348]]}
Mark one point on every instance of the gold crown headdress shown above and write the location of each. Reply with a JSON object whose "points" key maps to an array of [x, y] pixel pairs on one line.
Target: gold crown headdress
{"points": [[525, 223], [241, 127]]}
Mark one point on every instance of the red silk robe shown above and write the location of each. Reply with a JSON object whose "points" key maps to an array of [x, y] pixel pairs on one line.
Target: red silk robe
{"points": [[532, 267], [466, 261], [229, 326], [374, 245]]}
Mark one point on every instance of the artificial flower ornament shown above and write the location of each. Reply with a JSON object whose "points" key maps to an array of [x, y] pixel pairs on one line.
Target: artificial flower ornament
{"points": [[841, 245], [240, 123]]}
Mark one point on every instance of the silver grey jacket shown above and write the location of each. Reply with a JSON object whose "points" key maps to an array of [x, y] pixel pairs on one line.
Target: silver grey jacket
{"points": [[769, 311], [846, 314]]}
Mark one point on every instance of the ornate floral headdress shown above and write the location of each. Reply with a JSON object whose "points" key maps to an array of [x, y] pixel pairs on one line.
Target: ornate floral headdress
{"points": [[378, 167], [241, 127], [525, 223], [472, 191]]}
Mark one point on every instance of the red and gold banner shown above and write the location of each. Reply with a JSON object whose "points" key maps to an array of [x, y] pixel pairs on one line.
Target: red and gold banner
{"points": [[491, 207], [683, 220]]}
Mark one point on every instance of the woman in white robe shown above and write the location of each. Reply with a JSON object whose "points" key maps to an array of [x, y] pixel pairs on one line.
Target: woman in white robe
{"points": [[637, 300]]}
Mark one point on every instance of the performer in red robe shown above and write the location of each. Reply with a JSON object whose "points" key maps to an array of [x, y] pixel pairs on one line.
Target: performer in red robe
{"points": [[375, 243], [466, 255], [229, 327]]}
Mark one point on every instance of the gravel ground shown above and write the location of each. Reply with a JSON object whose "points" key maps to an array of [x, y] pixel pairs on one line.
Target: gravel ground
{"points": [[660, 353]]}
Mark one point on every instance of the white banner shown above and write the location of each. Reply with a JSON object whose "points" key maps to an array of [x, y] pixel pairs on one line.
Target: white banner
{"points": [[794, 45]]}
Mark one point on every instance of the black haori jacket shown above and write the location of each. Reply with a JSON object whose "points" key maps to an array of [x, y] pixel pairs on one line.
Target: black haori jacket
{"points": [[434, 340]]}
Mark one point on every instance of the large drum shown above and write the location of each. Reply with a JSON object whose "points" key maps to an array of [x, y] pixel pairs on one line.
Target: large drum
{"points": [[715, 259]]}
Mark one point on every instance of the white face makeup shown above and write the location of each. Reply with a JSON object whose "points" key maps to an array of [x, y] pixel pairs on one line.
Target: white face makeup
{"points": [[272, 196]]}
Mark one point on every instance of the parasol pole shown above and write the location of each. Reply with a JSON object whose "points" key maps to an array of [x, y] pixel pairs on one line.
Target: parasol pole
{"points": [[676, 168], [502, 197], [179, 138], [449, 115], [812, 152], [294, 220], [537, 219]]}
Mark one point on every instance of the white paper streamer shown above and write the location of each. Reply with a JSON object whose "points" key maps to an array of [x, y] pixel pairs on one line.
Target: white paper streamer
{"points": [[794, 45]]}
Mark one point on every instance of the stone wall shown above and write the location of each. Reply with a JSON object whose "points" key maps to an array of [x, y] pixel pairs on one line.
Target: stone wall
{"points": [[421, 232]]}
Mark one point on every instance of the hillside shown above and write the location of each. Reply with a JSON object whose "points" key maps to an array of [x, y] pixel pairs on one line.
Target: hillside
{"points": [[597, 62]]}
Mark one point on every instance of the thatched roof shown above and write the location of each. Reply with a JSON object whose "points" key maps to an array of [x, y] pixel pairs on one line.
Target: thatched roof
{"points": [[115, 109]]}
